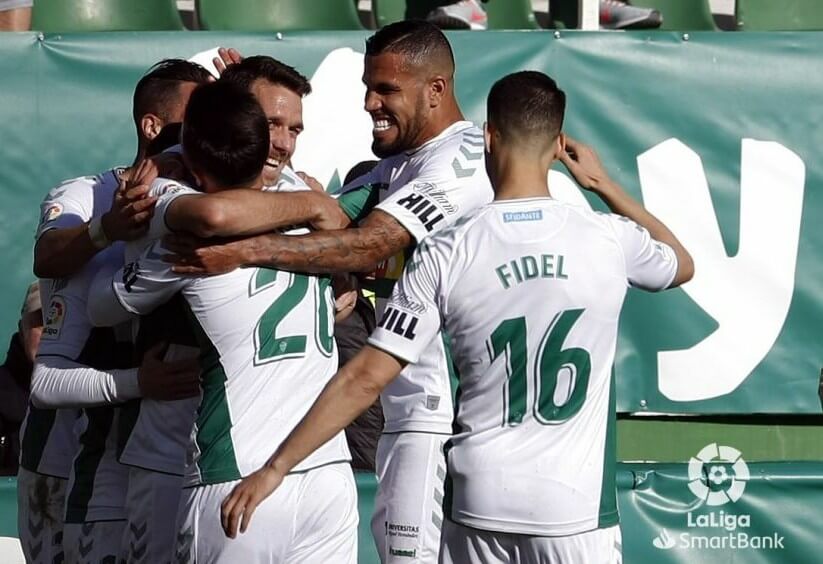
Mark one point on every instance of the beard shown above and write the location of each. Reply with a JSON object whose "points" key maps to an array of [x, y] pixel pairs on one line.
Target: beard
{"points": [[405, 141]]}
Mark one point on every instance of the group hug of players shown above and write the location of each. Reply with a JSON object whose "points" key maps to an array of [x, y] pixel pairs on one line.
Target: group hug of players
{"points": [[185, 406]]}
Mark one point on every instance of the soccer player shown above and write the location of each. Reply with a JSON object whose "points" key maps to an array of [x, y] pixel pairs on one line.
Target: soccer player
{"points": [[266, 345], [430, 174], [530, 290], [155, 435], [78, 233]]}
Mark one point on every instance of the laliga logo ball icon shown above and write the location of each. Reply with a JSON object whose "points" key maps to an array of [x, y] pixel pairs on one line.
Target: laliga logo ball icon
{"points": [[709, 468]]}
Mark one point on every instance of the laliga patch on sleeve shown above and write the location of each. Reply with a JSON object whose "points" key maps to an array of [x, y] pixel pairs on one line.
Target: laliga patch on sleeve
{"points": [[52, 212], [53, 320]]}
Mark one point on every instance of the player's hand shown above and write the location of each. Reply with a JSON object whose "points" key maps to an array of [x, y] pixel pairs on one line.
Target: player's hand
{"points": [[226, 58], [584, 165], [346, 293], [131, 209], [191, 255], [330, 215], [312, 182], [167, 381], [238, 508]]}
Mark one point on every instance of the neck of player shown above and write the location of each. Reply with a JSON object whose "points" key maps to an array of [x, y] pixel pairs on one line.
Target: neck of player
{"points": [[517, 173]]}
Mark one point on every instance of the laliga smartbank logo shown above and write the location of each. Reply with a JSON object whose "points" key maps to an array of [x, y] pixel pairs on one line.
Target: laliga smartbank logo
{"points": [[718, 476], [711, 463]]}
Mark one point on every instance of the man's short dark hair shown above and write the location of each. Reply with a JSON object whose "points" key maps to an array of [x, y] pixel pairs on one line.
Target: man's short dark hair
{"points": [[527, 104], [159, 86], [420, 43], [225, 134], [249, 70]]}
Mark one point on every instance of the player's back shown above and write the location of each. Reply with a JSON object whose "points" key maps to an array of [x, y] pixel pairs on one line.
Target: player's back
{"points": [[266, 353], [531, 296]]}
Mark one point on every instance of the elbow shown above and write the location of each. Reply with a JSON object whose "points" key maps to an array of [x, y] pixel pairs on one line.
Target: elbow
{"points": [[44, 266], [211, 221], [363, 382], [685, 269]]}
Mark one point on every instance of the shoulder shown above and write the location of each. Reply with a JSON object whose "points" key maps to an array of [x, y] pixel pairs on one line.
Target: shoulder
{"points": [[80, 185], [450, 237], [164, 187]]}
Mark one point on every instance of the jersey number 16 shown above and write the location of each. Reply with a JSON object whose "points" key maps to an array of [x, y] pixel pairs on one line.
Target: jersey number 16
{"points": [[552, 364]]}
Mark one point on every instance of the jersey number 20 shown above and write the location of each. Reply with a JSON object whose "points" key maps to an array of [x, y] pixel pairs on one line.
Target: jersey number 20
{"points": [[551, 363], [270, 342]]}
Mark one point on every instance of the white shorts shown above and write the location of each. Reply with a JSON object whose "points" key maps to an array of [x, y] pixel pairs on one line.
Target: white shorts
{"points": [[408, 507], [464, 545], [40, 501], [152, 502], [310, 519], [98, 541]]}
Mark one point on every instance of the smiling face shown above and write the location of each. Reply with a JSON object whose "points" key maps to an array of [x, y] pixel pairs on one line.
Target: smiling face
{"points": [[396, 100], [284, 112]]}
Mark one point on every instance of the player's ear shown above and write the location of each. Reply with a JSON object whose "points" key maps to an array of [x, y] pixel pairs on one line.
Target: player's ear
{"points": [[437, 89], [487, 137], [150, 126], [560, 144]]}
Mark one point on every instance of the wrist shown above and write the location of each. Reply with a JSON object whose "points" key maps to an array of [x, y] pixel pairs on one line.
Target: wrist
{"points": [[97, 234], [276, 465]]}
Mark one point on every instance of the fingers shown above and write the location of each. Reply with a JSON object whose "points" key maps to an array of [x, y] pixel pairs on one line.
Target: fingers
{"points": [[232, 510], [158, 351], [234, 55], [219, 65], [181, 244], [247, 513], [225, 58], [143, 205], [135, 193]]}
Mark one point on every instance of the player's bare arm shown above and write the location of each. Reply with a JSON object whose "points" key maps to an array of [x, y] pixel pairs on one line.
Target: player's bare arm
{"points": [[59, 253], [250, 212], [584, 164], [348, 250], [352, 390]]}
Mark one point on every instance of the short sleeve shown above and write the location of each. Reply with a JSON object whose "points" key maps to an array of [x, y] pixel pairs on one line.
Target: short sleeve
{"points": [[67, 205], [412, 317], [432, 201], [146, 283], [650, 264], [166, 191]]}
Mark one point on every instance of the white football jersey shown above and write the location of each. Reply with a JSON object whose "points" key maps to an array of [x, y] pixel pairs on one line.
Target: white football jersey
{"points": [[425, 190], [56, 442], [156, 434], [48, 440], [530, 292], [266, 351]]}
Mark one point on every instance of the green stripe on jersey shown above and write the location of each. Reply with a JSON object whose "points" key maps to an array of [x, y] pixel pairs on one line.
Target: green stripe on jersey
{"points": [[92, 448], [39, 424], [608, 489], [217, 461], [359, 202]]}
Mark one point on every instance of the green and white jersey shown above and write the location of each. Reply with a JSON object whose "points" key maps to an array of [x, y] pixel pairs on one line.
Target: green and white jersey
{"points": [[530, 292], [266, 352], [49, 441], [425, 190], [156, 434], [66, 442]]}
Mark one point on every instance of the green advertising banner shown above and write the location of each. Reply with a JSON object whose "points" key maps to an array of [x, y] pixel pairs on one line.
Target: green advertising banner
{"points": [[717, 134], [717, 509]]}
